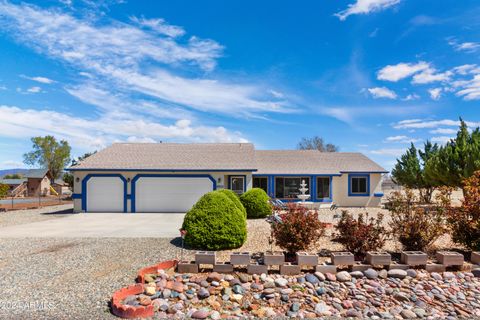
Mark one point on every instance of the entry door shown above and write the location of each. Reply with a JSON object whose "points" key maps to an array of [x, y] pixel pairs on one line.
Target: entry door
{"points": [[237, 184]]}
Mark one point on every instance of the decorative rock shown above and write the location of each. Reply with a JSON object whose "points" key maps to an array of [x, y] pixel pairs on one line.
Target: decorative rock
{"points": [[214, 276], [343, 276], [330, 277], [397, 273], [383, 274], [436, 276], [166, 293], [311, 278], [150, 291], [295, 307], [371, 274], [215, 315], [408, 314], [355, 274], [203, 293], [200, 314], [320, 276], [281, 282], [238, 289], [412, 273]]}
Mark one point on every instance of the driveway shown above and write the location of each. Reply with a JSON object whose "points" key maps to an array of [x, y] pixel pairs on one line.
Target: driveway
{"points": [[100, 225]]}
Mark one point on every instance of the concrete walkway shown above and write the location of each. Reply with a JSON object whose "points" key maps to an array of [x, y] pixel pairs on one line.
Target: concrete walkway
{"points": [[101, 225]]}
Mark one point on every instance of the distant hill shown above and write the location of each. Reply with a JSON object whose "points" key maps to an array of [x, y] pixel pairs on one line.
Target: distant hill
{"points": [[12, 171]]}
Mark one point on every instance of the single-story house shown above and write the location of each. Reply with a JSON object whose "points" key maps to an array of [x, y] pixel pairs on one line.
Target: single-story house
{"points": [[171, 177], [35, 182], [13, 184]]}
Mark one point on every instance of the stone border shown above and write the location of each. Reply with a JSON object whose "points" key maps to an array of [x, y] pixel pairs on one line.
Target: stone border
{"points": [[129, 312]]}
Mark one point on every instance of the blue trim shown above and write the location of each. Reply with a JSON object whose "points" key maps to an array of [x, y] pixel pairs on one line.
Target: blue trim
{"points": [[268, 182], [330, 191], [363, 175], [85, 191], [236, 175], [163, 170], [147, 175], [129, 196], [298, 175], [378, 195], [77, 196], [364, 172]]}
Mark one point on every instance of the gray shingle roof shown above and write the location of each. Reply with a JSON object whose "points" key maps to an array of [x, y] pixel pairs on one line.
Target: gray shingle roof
{"points": [[36, 173], [12, 181], [312, 162], [172, 156]]}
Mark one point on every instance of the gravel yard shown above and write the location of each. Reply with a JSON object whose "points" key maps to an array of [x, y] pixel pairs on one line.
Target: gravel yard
{"points": [[75, 277], [10, 218]]}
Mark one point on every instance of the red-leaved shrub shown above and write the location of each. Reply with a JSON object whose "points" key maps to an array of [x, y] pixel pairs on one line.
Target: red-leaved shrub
{"points": [[298, 229], [360, 235]]}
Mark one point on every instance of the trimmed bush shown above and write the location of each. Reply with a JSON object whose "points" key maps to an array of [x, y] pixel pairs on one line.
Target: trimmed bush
{"points": [[256, 203], [215, 223], [235, 199]]}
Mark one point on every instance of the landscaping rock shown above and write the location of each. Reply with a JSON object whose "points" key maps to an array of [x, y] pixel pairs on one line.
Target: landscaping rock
{"points": [[311, 278], [397, 273], [200, 314], [281, 282], [370, 274], [343, 276]]}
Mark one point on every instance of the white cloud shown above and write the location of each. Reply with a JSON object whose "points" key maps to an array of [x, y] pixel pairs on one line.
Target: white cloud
{"points": [[160, 25], [464, 46], [11, 164], [441, 139], [365, 7], [467, 69], [34, 90], [430, 124], [430, 75], [401, 71], [435, 93], [443, 131], [139, 60], [382, 93], [96, 133], [43, 80], [470, 88], [411, 97], [401, 139], [388, 152]]}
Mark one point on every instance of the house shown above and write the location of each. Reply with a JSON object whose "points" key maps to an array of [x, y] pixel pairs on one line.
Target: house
{"points": [[38, 182], [170, 177], [14, 184]]}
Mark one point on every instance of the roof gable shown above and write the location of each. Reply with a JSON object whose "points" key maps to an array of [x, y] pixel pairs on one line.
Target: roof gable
{"points": [[36, 173]]}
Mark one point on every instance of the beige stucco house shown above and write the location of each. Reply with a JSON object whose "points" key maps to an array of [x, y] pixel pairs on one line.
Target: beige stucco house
{"points": [[170, 177]]}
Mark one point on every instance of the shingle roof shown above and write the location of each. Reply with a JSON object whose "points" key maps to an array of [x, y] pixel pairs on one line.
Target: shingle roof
{"points": [[312, 162], [36, 173], [12, 181], [172, 156]]}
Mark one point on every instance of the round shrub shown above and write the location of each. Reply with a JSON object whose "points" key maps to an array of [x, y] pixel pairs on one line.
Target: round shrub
{"points": [[256, 203], [235, 199], [215, 223]]}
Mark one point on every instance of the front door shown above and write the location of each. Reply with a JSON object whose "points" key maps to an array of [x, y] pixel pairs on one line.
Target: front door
{"points": [[237, 184]]}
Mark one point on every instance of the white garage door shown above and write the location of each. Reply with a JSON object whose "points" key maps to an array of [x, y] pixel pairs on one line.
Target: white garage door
{"points": [[165, 194], [105, 194]]}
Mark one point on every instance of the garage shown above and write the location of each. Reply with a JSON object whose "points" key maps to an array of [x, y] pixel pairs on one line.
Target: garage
{"points": [[105, 194], [168, 193]]}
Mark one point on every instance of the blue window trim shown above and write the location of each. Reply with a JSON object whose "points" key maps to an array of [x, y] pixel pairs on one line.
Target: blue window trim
{"points": [[85, 191], [330, 187], [148, 175], [163, 170], [237, 175], [313, 179], [268, 182], [378, 194], [358, 175], [77, 196]]}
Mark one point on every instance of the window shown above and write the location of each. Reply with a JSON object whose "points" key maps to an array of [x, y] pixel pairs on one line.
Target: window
{"points": [[287, 187], [237, 184], [359, 185], [323, 188], [261, 182]]}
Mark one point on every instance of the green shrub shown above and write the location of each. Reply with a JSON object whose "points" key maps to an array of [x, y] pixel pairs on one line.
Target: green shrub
{"points": [[215, 223], [235, 199], [256, 203]]}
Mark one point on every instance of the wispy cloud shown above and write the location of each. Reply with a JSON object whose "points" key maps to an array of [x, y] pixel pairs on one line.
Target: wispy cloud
{"points": [[401, 139], [396, 152], [382, 92], [469, 47], [34, 90], [430, 124], [365, 7], [443, 131], [43, 80], [435, 93], [160, 25]]}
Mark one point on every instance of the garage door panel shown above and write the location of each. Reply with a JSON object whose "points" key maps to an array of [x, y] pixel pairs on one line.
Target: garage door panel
{"points": [[164, 194], [105, 194]]}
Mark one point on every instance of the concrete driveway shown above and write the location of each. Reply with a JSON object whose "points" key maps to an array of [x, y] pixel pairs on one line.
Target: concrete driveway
{"points": [[101, 225]]}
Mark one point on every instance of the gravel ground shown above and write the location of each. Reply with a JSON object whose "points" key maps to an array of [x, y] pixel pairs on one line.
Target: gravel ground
{"points": [[10, 218]]}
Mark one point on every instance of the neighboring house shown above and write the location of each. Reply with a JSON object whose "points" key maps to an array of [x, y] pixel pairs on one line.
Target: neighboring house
{"points": [[61, 187], [13, 184], [38, 182], [168, 177]]}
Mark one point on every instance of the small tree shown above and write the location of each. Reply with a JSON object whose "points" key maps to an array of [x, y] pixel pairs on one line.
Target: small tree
{"points": [[409, 171], [465, 220], [457, 160], [298, 229], [13, 176], [316, 143], [414, 225], [360, 235], [50, 154], [3, 190]]}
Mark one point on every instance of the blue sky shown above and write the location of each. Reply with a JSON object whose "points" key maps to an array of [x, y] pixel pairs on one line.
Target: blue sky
{"points": [[367, 75]]}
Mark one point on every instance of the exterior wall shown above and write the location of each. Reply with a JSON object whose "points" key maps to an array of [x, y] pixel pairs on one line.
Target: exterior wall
{"points": [[38, 187], [341, 197], [221, 179]]}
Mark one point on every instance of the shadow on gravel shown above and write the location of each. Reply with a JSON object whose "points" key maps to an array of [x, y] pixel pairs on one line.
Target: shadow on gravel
{"points": [[67, 211], [177, 242]]}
